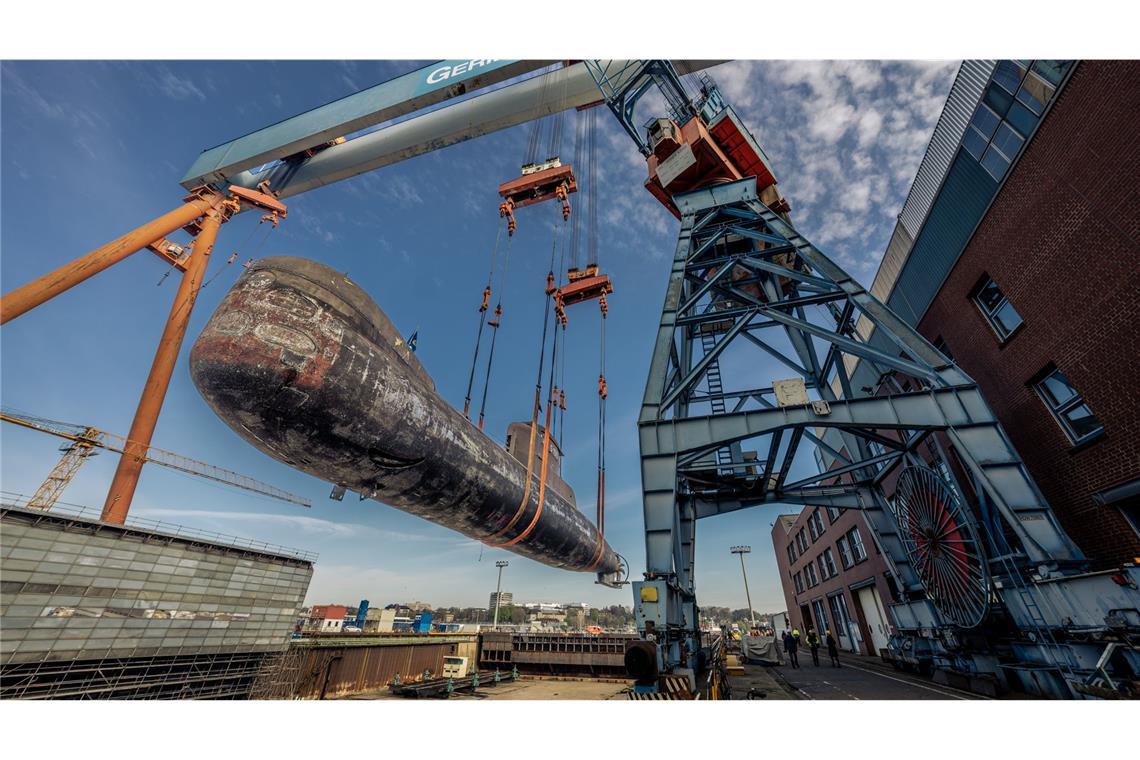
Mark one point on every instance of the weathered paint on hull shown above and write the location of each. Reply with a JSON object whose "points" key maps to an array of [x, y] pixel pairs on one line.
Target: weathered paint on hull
{"points": [[303, 365]]}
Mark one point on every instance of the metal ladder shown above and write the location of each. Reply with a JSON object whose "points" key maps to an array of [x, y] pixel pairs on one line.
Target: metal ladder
{"points": [[716, 394], [1060, 657]]}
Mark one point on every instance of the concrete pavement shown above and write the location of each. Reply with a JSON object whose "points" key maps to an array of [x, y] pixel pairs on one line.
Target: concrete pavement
{"points": [[860, 678]]}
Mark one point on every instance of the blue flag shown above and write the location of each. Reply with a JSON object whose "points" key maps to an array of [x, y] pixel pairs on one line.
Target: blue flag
{"points": [[413, 339]]}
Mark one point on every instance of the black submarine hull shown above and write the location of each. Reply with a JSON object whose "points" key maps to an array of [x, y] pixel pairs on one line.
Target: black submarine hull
{"points": [[303, 365]]}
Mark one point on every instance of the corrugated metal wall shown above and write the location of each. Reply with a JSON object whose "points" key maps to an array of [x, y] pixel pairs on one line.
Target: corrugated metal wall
{"points": [[966, 193], [960, 103], [354, 669], [73, 588], [964, 95]]}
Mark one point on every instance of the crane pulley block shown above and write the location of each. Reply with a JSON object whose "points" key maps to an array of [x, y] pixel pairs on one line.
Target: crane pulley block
{"points": [[540, 182], [574, 273], [172, 253], [583, 288]]}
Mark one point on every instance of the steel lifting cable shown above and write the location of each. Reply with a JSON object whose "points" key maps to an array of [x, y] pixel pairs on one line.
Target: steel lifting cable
{"points": [[591, 175], [562, 394], [554, 146], [602, 394], [576, 225], [525, 502], [174, 265], [495, 324], [560, 388], [536, 129], [482, 320], [189, 302], [545, 454], [592, 250]]}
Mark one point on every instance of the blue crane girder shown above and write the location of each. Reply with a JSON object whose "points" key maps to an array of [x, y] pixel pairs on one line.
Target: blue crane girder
{"points": [[402, 95]]}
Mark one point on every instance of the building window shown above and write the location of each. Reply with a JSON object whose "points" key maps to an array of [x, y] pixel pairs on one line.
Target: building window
{"points": [[1068, 407], [1003, 149], [992, 141], [820, 618], [996, 308], [844, 553], [1035, 92], [841, 617], [829, 560], [1008, 74], [815, 525], [812, 579], [857, 545], [799, 583], [980, 130]]}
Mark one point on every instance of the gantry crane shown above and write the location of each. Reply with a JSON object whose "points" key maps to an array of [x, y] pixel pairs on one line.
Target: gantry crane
{"points": [[988, 580], [989, 585], [84, 441], [310, 150]]}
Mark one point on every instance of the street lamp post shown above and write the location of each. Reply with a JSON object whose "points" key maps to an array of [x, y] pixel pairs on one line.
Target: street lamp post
{"points": [[499, 590], [742, 550]]}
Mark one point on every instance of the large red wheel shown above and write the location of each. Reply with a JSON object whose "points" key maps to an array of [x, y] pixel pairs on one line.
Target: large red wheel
{"points": [[943, 546]]}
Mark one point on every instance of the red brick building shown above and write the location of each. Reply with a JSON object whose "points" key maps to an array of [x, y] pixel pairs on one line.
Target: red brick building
{"points": [[1061, 242], [326, 618], [1017, 253], [834, 577]]}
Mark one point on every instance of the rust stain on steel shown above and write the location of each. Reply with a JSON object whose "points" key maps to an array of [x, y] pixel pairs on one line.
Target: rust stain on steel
{"points": [[303, 365], [342, 671]]}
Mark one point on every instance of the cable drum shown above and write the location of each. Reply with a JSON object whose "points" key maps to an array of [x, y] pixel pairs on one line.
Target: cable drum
{"points": [[942, 543]]}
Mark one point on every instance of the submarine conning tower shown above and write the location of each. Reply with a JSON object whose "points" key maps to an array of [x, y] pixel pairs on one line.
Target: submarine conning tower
{"points": [[303, 365]]}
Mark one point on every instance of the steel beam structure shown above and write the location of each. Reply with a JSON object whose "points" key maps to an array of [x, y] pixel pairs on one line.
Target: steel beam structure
{"points": [[743, 278], [304, 161], [405, 94], [126, 478]]}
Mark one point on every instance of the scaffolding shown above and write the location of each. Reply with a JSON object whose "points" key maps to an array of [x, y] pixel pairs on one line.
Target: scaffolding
{"points": [[206, 675]]}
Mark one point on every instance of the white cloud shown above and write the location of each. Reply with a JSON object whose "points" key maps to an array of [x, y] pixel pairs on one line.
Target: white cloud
{"points": [[856, 197], [830, 120], [845, 139], [308, 525], [176, 87], [870, 122], [29, 94], [390, 186]]}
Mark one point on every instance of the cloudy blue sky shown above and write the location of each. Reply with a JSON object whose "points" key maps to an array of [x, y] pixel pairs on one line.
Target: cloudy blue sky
{"points": [[91, 149]]}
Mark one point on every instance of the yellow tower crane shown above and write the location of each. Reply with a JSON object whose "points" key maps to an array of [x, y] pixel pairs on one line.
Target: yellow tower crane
{"points": [[83, 442]]}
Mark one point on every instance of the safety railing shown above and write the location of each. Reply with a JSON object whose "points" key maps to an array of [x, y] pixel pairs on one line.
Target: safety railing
{"points": [[91, 514]]}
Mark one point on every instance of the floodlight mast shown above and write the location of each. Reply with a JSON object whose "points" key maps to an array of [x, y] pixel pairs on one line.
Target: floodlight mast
{"points": [[742, 550], [499, 590]]}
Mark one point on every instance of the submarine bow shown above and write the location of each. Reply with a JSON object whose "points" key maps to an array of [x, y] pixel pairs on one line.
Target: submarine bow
{"points": [[304, 366]]}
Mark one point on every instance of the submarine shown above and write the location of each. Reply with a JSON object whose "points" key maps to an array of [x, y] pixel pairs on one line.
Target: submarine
{"points": [[304, 366]]}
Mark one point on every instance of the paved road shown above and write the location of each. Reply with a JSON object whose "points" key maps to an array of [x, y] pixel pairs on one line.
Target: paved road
{"points": [[856, 679]]}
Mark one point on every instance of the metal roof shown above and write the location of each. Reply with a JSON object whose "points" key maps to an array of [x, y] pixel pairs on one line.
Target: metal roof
{"points": [[965, 92], [960, 103]]}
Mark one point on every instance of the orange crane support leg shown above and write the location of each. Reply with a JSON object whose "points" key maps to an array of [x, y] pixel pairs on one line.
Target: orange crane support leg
{"points": [[49, 286], [154, 392]]}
